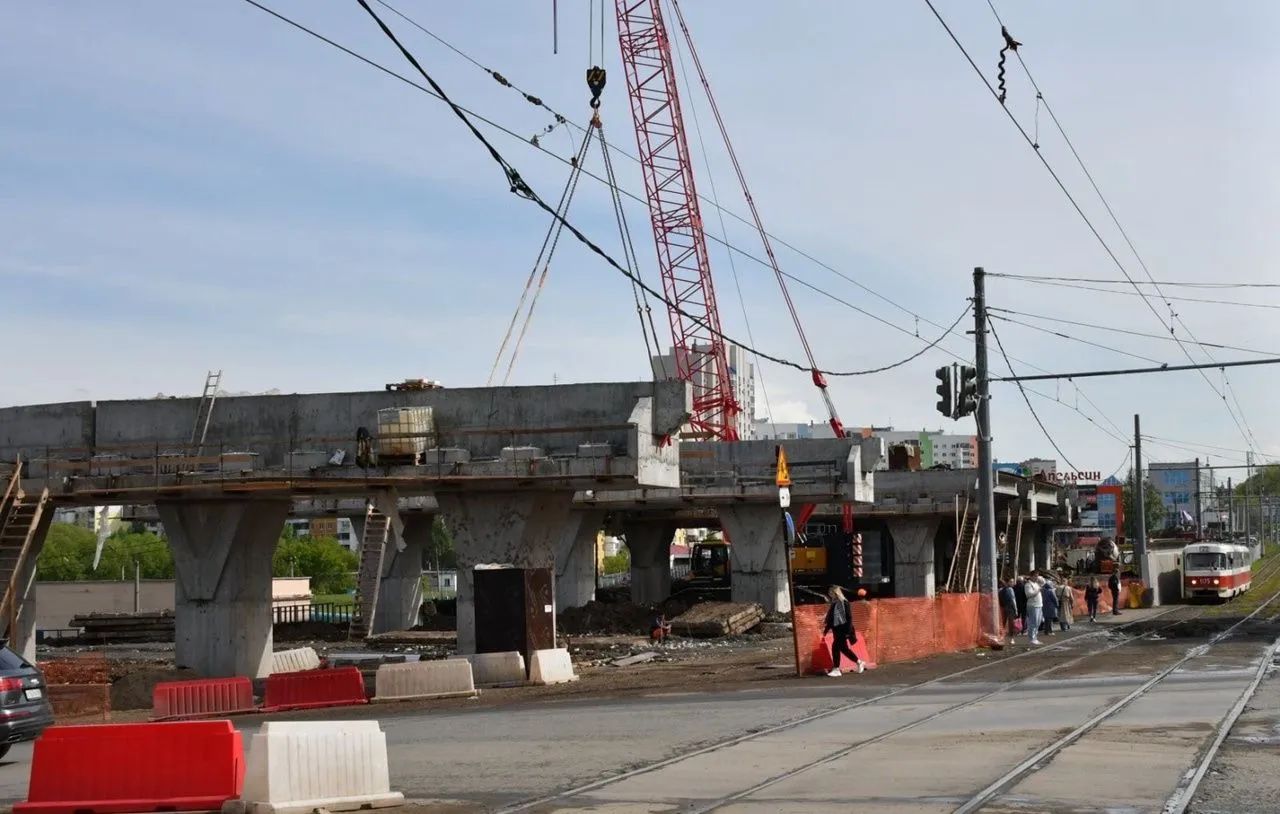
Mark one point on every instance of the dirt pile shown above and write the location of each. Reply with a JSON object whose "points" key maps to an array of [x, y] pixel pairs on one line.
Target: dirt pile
{"points": [[615, 618], [133, 689]]}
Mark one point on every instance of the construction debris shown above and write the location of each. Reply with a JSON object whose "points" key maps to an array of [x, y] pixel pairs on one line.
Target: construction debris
{"points": [[118, 628], [617, 618], [713, 619], [638, 658]]}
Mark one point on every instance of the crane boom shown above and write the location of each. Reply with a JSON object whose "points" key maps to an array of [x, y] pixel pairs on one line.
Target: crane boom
{"points": [[698, 344]]}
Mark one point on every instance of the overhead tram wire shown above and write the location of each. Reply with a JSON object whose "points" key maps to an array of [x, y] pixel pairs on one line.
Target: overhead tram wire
{"points": [[1030, 406], [1105, 281], [1084, 287], [1125, 331], [1071, 338], [650, 293], [1031, 142]]}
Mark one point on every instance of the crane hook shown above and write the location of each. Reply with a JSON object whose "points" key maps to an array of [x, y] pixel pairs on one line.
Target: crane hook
{"points": [[595, 83]]}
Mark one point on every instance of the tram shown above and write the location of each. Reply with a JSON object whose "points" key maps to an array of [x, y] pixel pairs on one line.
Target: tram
{"points": [[1220, 570]]}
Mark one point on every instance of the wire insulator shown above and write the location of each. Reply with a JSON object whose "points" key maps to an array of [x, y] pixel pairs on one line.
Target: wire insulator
{"points": [[1010, 44]]}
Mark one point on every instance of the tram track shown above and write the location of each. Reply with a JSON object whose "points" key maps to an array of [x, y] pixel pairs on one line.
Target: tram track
{"points": [[720, 746]]}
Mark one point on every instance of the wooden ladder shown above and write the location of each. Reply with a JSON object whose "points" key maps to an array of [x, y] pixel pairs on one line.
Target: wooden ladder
{"points": [[373, 547], [964, 565], [22, 516]]}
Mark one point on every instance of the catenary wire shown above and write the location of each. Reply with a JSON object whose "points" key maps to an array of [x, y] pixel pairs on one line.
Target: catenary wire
{"points": [[1125, 331], [1078, 339], [1026, 399], [1203, 300], [521, 188], [1242, 423], [1105, 281], [1079, 209]]}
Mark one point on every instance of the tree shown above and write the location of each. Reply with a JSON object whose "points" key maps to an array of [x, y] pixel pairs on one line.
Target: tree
{"points": [[331, 567], [67, 553], [1154, 505], [441, 553], [125, 548]]}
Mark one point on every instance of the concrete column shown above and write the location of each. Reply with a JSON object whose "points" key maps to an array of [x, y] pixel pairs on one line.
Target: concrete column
{"points": [[757, 556], [576, 559], [1027, 548], [1043, 545], [649, 544], [400, 593], [519, 529], [222, 553], [913, 565]]}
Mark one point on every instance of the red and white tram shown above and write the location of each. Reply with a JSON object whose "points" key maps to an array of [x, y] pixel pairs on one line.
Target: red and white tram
{"points": [[1219, 570]]}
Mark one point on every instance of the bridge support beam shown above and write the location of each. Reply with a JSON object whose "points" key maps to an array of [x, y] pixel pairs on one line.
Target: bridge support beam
{"points": [[400, 594], [913, 561], [758, 556], [222, 553], [515, 529], [649, 543], [576, 559]]}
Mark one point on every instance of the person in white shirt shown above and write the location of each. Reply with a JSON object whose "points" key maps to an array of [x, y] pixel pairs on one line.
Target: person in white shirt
{"points": [[1035, 607]]}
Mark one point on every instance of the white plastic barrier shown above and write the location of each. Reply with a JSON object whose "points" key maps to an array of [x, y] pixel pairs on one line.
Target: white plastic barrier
{"points": [[294, 661], [551, 667], [496, 669], [295, 768], [450, 678]]}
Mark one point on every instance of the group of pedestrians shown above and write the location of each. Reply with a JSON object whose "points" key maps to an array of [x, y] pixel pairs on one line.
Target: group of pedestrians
{"points": [[1035, 602]]}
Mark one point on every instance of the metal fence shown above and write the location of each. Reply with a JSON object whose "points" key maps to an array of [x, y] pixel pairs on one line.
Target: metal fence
{"points": [[332, 612]]}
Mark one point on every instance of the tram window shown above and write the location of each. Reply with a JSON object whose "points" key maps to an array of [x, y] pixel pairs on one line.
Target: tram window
{"points": [[1205, 561]]}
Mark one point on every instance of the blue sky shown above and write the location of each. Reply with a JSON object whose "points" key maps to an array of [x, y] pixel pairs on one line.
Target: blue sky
{"points": [[187, 186]]}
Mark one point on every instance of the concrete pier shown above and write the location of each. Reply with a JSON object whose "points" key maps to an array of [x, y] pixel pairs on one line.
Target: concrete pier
{"points": [[400, 594], [576, 559], [518, 529], [649, 543], [23, 637], [913, 554], [222, 553], [758, 560]]}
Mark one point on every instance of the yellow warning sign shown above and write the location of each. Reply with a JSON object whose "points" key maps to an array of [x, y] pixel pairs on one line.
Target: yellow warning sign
{"points": [[784, 474]]}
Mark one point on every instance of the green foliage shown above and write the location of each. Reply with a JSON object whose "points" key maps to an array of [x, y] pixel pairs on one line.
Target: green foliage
{"points": [[617, 563], [1154, 505], [331, 567], [441, 553], [68, 555], [1265, 481]]}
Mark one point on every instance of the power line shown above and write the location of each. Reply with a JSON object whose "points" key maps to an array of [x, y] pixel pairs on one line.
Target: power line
{"points": [[1093, 374], [1023, 391], [1125, 331], [1071, 338], [1105, 281], [1082, 287], [1071, 198]]}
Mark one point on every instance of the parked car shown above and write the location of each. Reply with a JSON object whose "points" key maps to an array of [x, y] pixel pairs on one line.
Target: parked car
{"points": [[24, 701]]}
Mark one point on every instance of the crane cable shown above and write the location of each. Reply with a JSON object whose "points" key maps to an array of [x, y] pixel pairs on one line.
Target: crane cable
{"points": [[549, 243]]}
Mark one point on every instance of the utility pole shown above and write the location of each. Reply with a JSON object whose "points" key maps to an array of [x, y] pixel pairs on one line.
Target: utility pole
{"points": [[986, 472], [1199, 525], [1231, 509], [1139, 504]]}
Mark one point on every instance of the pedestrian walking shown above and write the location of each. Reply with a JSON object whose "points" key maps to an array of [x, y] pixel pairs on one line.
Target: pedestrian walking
{"points": [[1113, 583], [1049, 592], [1035, 606], [839, 623], [1066, 605], [1009, 609], [1020, 595], [1091, 596]]}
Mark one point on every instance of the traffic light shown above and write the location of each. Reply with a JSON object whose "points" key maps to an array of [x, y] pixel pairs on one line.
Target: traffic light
{"points": [[967, 397], [946, 405]]}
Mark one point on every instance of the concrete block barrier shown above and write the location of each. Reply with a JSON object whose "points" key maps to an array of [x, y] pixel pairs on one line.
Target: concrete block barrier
{"points": [[551, 667], [296, 768], [450, 678], [108, 768], [312, 689], [202, 698], [497, 669], [295, 661]]}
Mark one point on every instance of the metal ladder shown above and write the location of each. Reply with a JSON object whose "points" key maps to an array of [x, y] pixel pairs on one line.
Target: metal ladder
{"points": [[373, 547], [23, 517], [964, 565], [205, 412]]}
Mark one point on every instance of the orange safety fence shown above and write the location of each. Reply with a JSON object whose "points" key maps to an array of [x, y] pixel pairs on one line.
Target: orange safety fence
{"points": [[894, 629]]}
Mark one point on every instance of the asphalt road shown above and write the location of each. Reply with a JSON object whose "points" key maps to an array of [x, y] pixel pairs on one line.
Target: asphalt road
{"points": [[853, 759]]}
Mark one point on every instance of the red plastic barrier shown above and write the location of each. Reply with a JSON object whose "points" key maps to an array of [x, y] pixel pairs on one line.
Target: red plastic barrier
{"points": [[204, 698], [310, 689], [114, 768], [820, 661]]}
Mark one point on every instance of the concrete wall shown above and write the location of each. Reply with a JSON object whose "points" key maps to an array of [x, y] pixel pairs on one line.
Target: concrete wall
{"points": [[482, 420], [1164, 569], [58, 602]]}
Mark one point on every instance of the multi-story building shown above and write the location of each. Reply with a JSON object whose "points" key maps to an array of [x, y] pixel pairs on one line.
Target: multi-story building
{"points": [[936, 447], [1183, 487], [101, 520], [336, 528], [742, 375]]}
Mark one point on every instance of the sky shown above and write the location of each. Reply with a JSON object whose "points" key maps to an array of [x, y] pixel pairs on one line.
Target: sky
{"points": [[195, 186]]}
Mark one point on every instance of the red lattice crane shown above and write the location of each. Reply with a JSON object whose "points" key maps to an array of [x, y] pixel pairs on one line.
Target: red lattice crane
{"points": [[701, 356]]}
